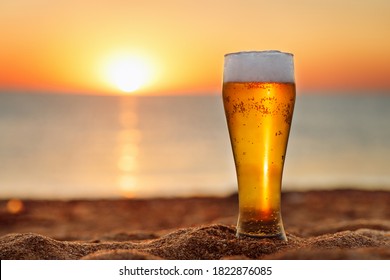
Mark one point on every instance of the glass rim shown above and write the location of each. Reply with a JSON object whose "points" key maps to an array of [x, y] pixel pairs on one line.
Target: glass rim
{"points": [[265, 52]]}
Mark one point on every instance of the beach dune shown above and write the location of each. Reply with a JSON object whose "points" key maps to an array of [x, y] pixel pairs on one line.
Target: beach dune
{"points": [[334, 224]]}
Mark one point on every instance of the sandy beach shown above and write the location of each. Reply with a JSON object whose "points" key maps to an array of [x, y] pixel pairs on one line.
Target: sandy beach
{"points": [[334, 224]]}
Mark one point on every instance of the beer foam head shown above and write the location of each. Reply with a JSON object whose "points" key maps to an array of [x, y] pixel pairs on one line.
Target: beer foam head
{"points": [[259, 66]]}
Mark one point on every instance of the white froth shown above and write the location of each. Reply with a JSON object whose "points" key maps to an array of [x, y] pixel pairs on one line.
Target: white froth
{"points": [[259, 66]]}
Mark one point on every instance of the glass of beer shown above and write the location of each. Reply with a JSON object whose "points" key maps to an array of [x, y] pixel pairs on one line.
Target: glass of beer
{"points": [[259, 98]]}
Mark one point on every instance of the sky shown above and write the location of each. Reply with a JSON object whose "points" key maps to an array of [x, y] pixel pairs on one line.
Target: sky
{"points": [[173, 46]]}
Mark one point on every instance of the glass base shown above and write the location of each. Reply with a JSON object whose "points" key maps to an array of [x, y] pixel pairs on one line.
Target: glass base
{"points": [[265, 228], [281, 236]]}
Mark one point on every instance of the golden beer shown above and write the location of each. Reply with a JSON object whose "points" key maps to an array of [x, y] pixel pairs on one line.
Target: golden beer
{"points": [[259, 115]]}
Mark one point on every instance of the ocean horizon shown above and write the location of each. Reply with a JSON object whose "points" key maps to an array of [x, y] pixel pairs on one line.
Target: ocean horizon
{"points": [[85, 146]]}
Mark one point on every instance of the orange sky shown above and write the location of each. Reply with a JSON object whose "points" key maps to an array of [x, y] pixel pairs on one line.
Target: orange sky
{"points": [[66, 46]]}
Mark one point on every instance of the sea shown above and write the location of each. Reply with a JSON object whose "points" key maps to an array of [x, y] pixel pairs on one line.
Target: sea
{"points": [[67, 146]]}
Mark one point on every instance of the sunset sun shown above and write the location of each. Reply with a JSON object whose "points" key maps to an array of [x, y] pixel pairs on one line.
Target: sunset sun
{"points": [[128, 73]]}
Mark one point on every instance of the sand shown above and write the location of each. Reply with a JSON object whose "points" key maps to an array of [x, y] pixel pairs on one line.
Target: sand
{"points": [[335, 224]]}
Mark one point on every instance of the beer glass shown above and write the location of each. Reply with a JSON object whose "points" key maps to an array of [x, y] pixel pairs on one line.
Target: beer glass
{"points": [[258, 98]]}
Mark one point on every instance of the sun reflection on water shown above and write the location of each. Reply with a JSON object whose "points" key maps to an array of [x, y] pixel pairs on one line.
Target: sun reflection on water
{"points": [[129, 138]]}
